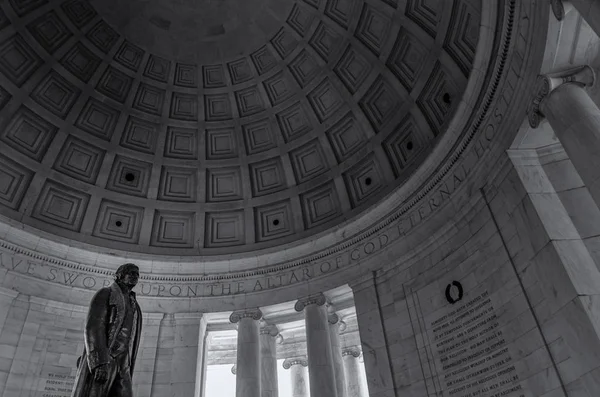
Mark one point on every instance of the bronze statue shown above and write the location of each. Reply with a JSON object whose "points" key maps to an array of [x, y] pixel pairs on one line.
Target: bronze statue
{"points": [[112, 336]]}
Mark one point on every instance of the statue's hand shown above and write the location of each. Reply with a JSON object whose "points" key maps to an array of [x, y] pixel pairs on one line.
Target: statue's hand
{"points": [[101, 373]]}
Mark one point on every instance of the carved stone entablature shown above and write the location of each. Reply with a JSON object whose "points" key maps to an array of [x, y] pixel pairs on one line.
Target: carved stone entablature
{"points": [[270, 329], [238, 315], [580, 75], [316, 299], [234, 369], [560, 8], [351, 351], [288, 362]]}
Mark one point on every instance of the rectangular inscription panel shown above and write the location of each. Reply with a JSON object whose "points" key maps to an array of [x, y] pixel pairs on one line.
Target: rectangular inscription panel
{"points": [[56, 382], [476, 335], [472, 352]]}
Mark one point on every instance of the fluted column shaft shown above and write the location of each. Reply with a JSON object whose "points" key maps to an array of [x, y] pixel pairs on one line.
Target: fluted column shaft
{"points": [[248, 353], [335, 326], [299, 381], [355, 385], [268, 359], [318, 345], [298, 375]]}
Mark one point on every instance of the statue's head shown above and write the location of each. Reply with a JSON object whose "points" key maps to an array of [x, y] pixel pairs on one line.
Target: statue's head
{"points": [[127, 274]]}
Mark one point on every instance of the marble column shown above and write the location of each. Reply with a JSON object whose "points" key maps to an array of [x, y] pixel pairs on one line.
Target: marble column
{"points": [[299, 376], [355, 386], [248, 352], [575, 119], [335, 327], [268, 360], [318, 344]]}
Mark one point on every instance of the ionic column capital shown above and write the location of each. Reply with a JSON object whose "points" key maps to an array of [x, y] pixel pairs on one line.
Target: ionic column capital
{"points": [[288, 362], [234, 369], [254, 314], [315, 299], [583, 76], [353, 351], [335, 320], [270, 329]]}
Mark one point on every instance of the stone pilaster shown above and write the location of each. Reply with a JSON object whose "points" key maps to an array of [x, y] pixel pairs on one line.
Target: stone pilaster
{"points": [[15, 335], [557, 272], [248, 363], [164, 356], [318, 344], [177, 368], [6, 299], [378, 367], [146, 358], [187, 353]]}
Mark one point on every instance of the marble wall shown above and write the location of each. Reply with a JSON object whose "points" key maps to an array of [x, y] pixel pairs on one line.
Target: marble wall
{"points": [[501, 298], [502, 305], [178, 352], [41, 340]]}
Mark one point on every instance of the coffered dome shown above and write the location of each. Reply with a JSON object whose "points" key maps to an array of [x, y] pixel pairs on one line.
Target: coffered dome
{"points": [[220, 127]]}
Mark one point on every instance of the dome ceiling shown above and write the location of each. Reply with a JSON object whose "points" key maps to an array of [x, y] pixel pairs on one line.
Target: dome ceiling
{"points": [[216, 127], [199, 31]]}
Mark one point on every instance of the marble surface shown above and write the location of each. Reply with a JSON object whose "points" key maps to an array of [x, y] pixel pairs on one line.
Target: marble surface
{"points": [[401, 305], [575, 119], [355, 386], [531, 260], [268, 361], [248, 366], [336, 354], [300, 381], [320, 356]]}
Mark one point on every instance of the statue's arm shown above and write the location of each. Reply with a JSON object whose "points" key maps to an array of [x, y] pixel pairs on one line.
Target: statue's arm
{"points": [[95, 330]]}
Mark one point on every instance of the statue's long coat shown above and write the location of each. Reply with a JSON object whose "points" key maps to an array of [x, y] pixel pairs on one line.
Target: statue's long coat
{"points": [[104, 321]]}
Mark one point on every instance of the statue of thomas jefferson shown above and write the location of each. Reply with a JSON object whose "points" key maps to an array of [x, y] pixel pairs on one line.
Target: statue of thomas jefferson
{"points": [[112, 336]]}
